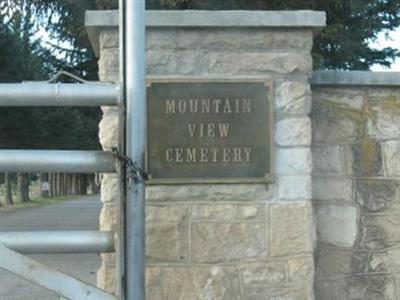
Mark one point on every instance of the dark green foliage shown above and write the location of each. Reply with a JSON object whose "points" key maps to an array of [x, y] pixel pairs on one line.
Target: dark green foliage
{"points": [[18, 61], [343, 44], [63, 22], [23, 57], [69, 128]]}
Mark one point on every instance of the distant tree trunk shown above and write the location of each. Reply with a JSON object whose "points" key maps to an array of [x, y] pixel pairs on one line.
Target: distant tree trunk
{"points": [[49, 180], [1, 182], [23, 187], [44, 185], [54, 183], [84, 184], [80, 183], [8, 192], [74, 184], [61, 184], [51, 185], [58, 184], [65, 184], [55, 189], [95, 187], [68, 184]]}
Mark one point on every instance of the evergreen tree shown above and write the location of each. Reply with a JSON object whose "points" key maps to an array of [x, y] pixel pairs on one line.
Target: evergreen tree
{"points": [[343, 44], [23, 56]]}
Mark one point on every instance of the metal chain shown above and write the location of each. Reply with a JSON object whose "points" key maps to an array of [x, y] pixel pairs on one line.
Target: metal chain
{"points": [[133, 171]]}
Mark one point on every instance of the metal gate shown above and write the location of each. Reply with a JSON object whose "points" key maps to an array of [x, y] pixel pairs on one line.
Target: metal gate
{"points": [[128, 161]]}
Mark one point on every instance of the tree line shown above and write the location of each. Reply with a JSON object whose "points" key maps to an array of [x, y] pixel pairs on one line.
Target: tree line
{"points": [[50, 185]]}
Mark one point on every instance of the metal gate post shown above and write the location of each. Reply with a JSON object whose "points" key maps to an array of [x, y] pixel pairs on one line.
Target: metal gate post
{"points": [[134, 82]]}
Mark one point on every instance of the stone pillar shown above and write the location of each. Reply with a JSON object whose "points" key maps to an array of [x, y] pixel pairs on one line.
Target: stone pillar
{"points": [[225, 241]]}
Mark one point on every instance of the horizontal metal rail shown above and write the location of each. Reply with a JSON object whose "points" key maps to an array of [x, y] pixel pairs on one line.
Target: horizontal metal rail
{"points": [[59, 241], [58, 94], [64, 285], [63, 161]]}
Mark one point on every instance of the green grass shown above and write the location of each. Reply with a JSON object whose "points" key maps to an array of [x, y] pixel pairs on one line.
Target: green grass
{"points": [[35, 202]]}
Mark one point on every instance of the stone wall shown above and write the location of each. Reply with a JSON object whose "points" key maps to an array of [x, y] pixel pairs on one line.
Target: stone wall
{"points": [[209, 241], [356, 185]]}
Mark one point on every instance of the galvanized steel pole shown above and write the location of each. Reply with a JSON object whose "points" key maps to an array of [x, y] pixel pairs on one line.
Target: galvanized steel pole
{"points": [[63, 161], [58, 94], [134, 74], [29, 242]]}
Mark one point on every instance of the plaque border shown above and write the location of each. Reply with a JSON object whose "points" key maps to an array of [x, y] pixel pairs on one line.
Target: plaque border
{"points": [[268, 82]]}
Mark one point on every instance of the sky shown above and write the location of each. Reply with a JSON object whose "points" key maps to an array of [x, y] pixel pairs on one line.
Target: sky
{"points": [[394, 42]]}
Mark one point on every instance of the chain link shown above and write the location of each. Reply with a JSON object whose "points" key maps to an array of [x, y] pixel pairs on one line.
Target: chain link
{"points": [[133, 171]]}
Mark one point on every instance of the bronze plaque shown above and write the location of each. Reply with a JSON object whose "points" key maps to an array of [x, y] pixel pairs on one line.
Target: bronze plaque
{"points": [[209, 131]]}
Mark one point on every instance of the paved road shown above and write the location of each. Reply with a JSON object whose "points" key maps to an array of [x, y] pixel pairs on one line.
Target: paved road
{"points": [[77, 214]]}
